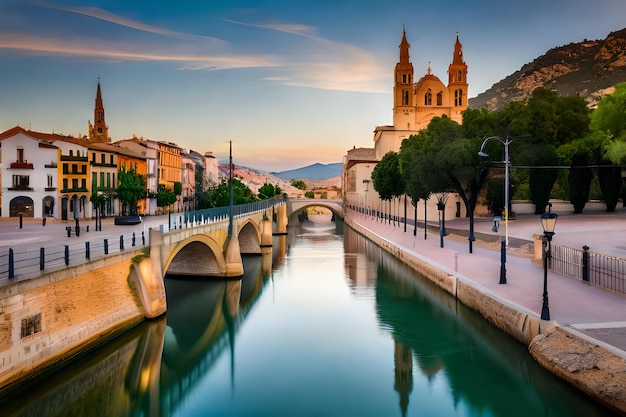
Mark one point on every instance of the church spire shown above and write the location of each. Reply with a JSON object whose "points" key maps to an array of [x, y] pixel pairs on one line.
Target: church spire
{"points": [[404, 48], [457, 59], [99, 132]]}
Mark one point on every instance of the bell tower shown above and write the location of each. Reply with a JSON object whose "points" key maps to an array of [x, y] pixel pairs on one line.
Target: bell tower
{"points": [[99, 131], [403, 106], [457, 79]]}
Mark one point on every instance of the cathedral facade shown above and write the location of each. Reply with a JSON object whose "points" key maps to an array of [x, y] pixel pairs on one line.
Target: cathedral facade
{"points": [[416, 103]]}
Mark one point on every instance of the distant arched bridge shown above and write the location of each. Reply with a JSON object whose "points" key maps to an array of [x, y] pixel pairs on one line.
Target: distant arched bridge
{"points": [[297, 206]]}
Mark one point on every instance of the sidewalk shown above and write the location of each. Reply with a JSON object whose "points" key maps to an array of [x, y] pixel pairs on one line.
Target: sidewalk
{"points": [[598, 314]]}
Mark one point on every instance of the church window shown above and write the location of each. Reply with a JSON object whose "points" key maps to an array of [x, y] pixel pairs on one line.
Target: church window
{"points": [[459, 76], [428, 98], [403, 78], [439, 99], [405, 97], [458, 97]]}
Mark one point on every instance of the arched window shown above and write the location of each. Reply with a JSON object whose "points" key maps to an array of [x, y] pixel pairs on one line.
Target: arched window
{"points": [[459, 76], [428, 98], [440, 99], [458, 97], [405, 97]]}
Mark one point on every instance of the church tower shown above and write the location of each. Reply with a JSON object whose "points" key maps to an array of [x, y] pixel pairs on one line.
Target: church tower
{"points": [[403, 106], [99, 131], [457, 82]]}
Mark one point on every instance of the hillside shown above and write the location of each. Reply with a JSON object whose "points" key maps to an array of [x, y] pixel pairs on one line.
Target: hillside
{"points": [[255, 179], [590, 69]]}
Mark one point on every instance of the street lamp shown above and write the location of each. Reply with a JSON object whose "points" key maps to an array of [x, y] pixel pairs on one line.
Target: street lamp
{"points": [[548, 222], [505, 243]]}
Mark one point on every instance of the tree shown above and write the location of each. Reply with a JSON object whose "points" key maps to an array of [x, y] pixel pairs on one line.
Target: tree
{"points": [[130, 189], [299, 184], [267, 191], [164, 196], [219, 196], [410, 160], [387, 179]]}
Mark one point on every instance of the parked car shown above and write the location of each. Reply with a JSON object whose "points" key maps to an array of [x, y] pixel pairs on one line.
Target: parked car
{"points": [[128, 220]]}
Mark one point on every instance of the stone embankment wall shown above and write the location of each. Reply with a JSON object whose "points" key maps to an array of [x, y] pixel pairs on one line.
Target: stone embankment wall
{"points": [[593, 369], [46, 320]]}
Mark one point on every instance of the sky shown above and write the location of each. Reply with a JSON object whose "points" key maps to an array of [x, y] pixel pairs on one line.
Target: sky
{"points": [[290, 82]]}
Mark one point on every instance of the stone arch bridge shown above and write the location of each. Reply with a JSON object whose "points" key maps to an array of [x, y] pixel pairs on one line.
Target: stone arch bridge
{"points": [[208, 244]]}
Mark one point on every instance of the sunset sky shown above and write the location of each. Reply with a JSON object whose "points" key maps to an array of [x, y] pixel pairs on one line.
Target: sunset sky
{"points": [[291, 83]]}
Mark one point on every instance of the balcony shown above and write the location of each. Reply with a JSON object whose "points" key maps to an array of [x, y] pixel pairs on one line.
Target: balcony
{"points": [[51, 165], [21, 165], [20, 188]]}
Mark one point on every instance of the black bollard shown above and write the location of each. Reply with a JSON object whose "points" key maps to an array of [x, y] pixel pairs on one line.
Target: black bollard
{"points": [[143, 239], [20, 220], [43, 221], [68, 229], [133, 241], [67, 255]]}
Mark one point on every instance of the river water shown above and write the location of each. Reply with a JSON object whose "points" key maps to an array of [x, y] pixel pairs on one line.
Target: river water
{"points": [[336, 328]]}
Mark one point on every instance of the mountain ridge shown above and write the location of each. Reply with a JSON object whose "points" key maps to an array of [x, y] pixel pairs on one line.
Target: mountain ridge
{"points": [[590, 69]]}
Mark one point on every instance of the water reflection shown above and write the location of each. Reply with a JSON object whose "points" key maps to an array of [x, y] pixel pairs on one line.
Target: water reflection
{"points": [[340, 334]]}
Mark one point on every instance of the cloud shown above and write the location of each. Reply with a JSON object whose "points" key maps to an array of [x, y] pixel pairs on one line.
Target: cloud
{"points": [[308, 60], [326, 64], [100, 14]]}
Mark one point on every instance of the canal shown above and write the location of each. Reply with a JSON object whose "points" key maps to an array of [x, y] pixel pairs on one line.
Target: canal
{"points": [[336, 328]]}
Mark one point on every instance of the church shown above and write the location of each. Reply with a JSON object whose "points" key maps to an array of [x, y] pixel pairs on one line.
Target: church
{"points": [[415, 104]]}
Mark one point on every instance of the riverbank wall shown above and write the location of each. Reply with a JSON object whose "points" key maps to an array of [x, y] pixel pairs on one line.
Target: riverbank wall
{"points": [[48, 320], [595, 370]]}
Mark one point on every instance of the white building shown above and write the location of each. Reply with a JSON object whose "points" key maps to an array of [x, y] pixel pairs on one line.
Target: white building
{"points": [[29, 175]]}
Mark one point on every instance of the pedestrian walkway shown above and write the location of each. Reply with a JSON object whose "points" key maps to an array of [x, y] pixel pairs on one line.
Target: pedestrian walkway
{"points": [[597, 314]]}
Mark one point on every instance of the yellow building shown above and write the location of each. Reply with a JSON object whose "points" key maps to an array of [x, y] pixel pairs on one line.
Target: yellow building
{"points": [[170, 167]]}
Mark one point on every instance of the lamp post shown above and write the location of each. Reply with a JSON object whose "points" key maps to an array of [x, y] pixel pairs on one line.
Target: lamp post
{"points": [[505, 243], [548, 222]]}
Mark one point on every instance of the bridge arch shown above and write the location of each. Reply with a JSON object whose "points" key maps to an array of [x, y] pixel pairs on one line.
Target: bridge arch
{"points": [[198, 255], [297, 206], [249, 238]]}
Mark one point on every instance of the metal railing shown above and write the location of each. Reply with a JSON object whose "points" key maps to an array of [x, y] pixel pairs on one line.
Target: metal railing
{"points": [[604, 271], [188, 218], [27, 264]]}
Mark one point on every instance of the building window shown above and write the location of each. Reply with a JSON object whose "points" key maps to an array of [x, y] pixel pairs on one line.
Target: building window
{"points": [[114, 180], [21, 181], [403, 78], [108, 180], [71, 152], [50, 181], [83, 169], [102, 159], [65, 183], [74, 183], [74, 168], [20, 155], [459, 76], [94, 179], [439, 99], [111, 159], [93, 157], [458, 97], [65, 170], [102, 179], [83, 183], [428, 98]]}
